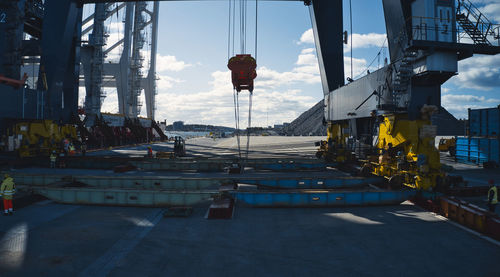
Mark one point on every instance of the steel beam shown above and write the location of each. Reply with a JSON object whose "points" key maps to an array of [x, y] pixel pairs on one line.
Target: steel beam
{"points": [[313, 183], [321, 198], [326, 18], [150, 81], [299, 198], [125, 197], [119, 182], [122, 74], [93, 62], [108, 14], [191, 181], [61, 25], [72, 72], [12, 15], [277, 164]]}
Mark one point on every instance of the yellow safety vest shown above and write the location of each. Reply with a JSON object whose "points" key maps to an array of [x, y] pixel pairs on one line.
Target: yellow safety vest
{"points": [[8, 188], [495, 195], [53, 158]]}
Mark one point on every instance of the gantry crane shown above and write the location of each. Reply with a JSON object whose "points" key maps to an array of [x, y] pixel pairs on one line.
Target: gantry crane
{"points": [[383, 119]]}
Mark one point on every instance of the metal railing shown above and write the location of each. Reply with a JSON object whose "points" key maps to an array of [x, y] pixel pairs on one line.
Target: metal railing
{"points": [[466, 8], [423, 27]]}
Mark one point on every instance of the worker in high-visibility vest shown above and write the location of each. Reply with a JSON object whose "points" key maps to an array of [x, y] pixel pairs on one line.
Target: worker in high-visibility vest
{"points": [[150, 152], [83, 148], [53, 159], [492, 196], [7, 191]]}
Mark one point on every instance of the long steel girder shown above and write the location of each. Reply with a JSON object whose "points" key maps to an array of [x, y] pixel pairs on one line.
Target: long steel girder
{"points": [[200, 165], [159, 198], [323, 180], [322, 190]]}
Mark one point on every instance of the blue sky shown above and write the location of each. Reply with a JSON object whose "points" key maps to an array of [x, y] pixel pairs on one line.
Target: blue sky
{"points": [[195, 85]]}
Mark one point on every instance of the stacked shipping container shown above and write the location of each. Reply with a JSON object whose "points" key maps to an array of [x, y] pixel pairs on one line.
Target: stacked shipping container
{"points": [[482, 145]]}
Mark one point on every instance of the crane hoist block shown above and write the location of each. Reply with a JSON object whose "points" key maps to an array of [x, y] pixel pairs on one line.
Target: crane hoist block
{"points": [[243, 71]]}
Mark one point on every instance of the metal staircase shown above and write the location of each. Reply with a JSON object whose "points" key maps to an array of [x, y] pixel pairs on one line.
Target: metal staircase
{"points": [[403, 76], [474, 23]]}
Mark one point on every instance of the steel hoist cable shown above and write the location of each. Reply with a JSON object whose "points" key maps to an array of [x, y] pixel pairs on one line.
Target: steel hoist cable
{"points": [[242, 9], [249, 122], [237, 119]]}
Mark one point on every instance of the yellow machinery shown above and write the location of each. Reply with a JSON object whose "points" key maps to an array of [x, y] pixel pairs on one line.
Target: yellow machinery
{"points": [[447, 145], [404, 152], [334, 149], [41, 137]]}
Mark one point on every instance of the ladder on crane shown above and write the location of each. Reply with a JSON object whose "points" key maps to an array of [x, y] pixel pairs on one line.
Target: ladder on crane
{"points": [[474, 23]]}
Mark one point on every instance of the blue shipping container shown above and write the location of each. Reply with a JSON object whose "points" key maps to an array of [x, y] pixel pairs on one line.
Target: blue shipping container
{"points": [[484, 122], [477, 150]]}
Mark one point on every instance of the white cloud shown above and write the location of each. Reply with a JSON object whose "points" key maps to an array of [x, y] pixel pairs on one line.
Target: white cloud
{"points": [[358, 67], [358, 40], [307, 37], [166, 82], [307, 51], [170, 63], [365, 41], [479, 72], [305, 71], [453, 98], [457, 104], [215, 106], [307, 59], [492, 11], [491, 8], [271, 79]]}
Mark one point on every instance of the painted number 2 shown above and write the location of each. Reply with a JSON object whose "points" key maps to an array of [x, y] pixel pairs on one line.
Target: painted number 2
{"points": [[2, 17]]}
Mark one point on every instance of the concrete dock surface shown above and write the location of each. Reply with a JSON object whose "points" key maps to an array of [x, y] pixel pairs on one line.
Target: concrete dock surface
{"points": [[50, 239]]}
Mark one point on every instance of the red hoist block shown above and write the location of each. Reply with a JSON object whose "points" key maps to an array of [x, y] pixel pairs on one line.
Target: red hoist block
{"points": [[243, 71]]}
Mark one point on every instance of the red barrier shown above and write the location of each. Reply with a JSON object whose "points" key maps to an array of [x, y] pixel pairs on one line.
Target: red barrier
{"points": [[471, 216], [221, 209], [493, 227]]}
